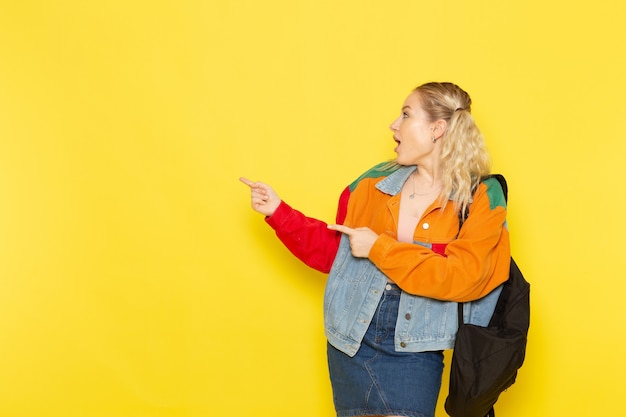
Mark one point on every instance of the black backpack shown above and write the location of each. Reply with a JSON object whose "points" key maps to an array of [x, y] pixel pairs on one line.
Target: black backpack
{"points": [[485, 360]]}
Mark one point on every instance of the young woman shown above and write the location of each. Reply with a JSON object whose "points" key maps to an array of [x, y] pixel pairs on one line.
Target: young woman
{"points": [[396, 259]]}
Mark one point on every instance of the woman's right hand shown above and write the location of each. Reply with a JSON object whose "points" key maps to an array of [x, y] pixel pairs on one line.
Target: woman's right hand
{"points": [[264, 198]]}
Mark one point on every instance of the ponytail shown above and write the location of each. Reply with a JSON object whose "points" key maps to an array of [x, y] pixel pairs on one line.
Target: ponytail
{"points": [[464, 158]]}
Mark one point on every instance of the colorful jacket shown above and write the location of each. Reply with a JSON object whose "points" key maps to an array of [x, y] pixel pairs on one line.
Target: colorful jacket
{"points": [[436, 269]]}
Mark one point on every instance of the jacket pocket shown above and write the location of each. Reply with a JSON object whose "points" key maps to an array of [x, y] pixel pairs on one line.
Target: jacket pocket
{"points": [[425, 319]]}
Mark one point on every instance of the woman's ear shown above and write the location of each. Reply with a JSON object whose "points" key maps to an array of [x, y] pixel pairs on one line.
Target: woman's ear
{"points": [[439, 128]]}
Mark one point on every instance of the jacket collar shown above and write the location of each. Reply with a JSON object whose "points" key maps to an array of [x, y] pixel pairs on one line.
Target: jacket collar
{"points": [[393, 183]]}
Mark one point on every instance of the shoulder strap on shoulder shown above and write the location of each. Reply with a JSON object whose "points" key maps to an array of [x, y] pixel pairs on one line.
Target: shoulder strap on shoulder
{"points": [[505, 191], [501, 180]]}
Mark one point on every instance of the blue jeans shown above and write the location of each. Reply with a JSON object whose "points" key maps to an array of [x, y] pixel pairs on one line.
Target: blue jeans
{"points": [[380, 381]]}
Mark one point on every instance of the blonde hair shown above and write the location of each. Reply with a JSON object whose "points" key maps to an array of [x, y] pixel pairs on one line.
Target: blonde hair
{"points": [[464, 156]]}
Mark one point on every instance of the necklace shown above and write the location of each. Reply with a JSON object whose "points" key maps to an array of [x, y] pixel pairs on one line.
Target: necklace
{"points": [[412, 195]]}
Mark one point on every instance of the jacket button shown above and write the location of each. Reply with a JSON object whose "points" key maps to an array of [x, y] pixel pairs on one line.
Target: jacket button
{"points": [[425, 226], [402, 344], [407, 316]]}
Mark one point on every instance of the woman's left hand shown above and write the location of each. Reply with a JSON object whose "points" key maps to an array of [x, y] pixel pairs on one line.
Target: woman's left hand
{"points": [[361, 239]]}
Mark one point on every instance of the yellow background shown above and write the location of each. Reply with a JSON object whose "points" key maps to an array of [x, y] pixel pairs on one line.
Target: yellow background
{"points": [[136, 281]]}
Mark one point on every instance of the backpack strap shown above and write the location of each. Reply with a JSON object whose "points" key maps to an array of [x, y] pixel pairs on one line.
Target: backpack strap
{"points": [[460, 313]]}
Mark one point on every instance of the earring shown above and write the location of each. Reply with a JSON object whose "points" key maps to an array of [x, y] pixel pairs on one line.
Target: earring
{"points": [[433, 139]]}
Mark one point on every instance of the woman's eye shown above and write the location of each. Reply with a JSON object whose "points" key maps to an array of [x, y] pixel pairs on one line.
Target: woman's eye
{"points": [[404, 115]]}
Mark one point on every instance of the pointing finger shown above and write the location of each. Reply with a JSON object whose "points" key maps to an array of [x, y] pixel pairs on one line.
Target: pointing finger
{"points": [[247, 182], [341, 228]]}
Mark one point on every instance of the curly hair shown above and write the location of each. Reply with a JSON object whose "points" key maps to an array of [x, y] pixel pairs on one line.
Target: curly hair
{"points": [[464, 156]]}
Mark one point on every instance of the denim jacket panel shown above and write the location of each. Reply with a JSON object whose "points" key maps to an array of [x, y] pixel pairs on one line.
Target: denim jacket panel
{"points": [[353, 291]]}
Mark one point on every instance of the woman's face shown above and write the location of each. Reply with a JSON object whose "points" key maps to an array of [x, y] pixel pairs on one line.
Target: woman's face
{"points": [[413, 133]]}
